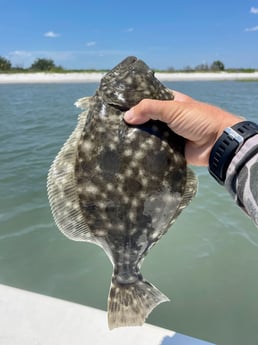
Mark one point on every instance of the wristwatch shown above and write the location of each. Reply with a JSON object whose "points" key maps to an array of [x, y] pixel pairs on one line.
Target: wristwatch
{"points": [[227, 146]]}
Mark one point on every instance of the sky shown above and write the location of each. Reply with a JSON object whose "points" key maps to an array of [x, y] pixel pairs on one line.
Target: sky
{"points": [[97, 34]]}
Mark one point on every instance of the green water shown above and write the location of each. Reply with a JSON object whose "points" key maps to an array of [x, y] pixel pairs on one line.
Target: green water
{"points": [[207, 264]]}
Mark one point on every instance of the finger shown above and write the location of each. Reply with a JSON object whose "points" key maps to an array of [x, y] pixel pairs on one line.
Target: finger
{"points": [[152, 109]]}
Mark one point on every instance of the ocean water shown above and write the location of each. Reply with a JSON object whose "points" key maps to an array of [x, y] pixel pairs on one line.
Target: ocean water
{"points": [[207, 264]]}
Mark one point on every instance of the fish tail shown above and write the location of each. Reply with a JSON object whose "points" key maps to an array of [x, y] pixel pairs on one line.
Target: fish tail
{"points": [[130, 304]]}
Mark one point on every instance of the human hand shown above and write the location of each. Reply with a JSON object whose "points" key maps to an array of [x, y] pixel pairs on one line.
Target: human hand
{"points": [[199, 123]]}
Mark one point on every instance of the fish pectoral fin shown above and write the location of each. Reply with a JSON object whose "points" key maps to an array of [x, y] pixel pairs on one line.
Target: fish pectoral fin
{"points": [[130, 304]]}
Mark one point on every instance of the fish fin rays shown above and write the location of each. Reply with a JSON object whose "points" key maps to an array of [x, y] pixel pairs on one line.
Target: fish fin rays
{"points": [[130, 304], [83, 103], [62, 191], [191, 187]]}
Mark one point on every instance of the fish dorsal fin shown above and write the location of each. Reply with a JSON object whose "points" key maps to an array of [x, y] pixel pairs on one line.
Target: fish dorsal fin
{"points": [[61, 186]]}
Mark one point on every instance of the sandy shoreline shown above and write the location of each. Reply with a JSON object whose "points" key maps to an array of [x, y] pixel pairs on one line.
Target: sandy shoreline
{"points": [[20, 78]]}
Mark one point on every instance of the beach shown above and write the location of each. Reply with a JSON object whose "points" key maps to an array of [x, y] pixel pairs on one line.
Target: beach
{"points": [[85, 77]]}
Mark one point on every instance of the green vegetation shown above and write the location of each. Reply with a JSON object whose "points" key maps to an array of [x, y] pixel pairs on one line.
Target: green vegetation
{"points": [[217, 66], [45, 65], [48, 65], [5, 65], [236, 70]]}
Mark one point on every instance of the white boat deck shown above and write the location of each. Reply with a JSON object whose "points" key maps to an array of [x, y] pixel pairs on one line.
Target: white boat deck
{"points": [[28, 318]]}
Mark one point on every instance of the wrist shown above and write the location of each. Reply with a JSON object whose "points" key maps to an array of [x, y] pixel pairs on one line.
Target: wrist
{"points": [[227, 145]]}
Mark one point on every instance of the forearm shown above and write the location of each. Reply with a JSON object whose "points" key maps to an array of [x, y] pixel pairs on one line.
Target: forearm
{"points": [[242, 178]]}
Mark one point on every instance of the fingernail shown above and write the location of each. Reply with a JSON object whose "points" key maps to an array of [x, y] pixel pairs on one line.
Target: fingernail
{"points": [[128, 116]]}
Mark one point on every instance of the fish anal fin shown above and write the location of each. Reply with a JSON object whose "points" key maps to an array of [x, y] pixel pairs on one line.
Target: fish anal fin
{"points": [[190, 187]]}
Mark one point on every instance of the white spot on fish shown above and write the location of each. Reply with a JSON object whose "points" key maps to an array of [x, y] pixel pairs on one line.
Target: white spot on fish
{"points": [[103, 110], [110, 187], [120, 96], [129, 80], [91, 188], [131, 215], [139, 154], [125, 199], [102, 205], [135, 202], [100, 233], [128, 152], [87, 145], [144, 181], [112, 146], [120, 227], [129, 173]]}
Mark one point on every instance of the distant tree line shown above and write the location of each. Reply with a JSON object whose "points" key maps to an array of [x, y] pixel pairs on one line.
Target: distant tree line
{"points": [[39, 65], [48, 65], [215, 66]]}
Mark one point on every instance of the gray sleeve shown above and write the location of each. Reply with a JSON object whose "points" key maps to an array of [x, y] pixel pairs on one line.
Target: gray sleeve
{"points": [[242, 178]]}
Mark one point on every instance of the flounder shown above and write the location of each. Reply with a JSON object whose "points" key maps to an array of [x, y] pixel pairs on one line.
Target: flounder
{"points": [[120, 186]]}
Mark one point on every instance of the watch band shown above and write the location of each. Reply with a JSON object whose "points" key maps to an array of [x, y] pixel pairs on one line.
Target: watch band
{"points": [[227, 146]]}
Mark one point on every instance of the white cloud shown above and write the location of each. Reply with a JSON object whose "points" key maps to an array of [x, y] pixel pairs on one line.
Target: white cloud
{"points": [[51, 34], [20, 54], [129, 30], [254, 28], [254, 10], [91, 44]]}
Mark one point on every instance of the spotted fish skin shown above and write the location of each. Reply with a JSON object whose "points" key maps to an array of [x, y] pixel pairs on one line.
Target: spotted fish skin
{"points": [[121, 187]]}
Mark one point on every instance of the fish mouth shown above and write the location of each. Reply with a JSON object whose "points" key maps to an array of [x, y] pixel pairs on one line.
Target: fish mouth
{"points": [[120, 107]]}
